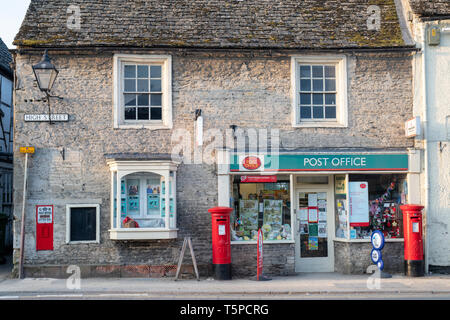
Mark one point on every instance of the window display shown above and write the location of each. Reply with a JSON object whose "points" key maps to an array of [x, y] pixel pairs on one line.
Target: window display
{"points": [[261, 205], [143, 201], [380, 212]]}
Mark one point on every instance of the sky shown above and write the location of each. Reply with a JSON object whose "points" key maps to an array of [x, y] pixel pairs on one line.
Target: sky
{"points": [[12, 13]]}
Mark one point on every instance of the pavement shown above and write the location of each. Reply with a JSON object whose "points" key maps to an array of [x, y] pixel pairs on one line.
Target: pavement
{"points": [[302, 285]]}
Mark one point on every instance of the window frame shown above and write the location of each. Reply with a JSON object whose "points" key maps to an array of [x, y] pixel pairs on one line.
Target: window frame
{"points": [[120, 60], [122, 168], [340, 61], [68, 223]]}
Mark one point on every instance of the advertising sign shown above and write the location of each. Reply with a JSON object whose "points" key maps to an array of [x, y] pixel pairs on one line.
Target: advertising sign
{"points": [[359, 203], [260, 255], [254, 179]]}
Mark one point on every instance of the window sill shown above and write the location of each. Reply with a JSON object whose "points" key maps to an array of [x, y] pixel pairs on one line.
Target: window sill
{"points": [[368, 240], [142, 234], [233, 242], [150, 126], [319, 125]]}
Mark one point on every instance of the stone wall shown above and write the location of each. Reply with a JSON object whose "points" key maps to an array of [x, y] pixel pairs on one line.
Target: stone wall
{"points": [[354, 258], [248, 89]]}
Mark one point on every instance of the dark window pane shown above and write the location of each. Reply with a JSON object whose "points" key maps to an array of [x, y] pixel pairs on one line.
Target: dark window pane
{"points": [[330, 85], [305, 85], [142, 71], [330, 112], [305, 98], [142, 99], [318, 98], [155, 71], [155, 85], [330, 98], [317, 71], [130, 113], [318, 85], [130, 85], [130, 99], [143, 113], [305, 71], [156, 114], [305, 112], [156, 99], [330, 72], [318, 112], [143, 85], [83, 224], [130, 71]]}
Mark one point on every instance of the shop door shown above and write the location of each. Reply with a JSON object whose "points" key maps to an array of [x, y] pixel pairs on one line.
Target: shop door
{"points": [[314, 250]]}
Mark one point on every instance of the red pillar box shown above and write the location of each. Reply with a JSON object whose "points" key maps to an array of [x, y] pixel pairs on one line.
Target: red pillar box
{"points": [[221, 242], [412, 230]]}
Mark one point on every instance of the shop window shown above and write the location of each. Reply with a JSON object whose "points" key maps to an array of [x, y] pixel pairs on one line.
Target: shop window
{"points": [[82, 223], [143, 202], [143, 91], [320, 91], [365, 203], [264, 205]]}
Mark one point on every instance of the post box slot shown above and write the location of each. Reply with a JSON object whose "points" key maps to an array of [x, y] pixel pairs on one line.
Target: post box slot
{"points": [[221, 219]]}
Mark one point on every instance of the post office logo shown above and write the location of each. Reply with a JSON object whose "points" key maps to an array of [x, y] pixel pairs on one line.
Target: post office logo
{"points": [[251, 163]]}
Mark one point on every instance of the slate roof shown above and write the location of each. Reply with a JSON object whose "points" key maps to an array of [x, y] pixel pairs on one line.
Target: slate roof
{"points": [[210, 24], [431, 8], [5, 58]]}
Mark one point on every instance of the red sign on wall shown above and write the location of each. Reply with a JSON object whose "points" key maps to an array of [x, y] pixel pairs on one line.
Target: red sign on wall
{"points": [[249, 179], [44, 227], [251, 163]]}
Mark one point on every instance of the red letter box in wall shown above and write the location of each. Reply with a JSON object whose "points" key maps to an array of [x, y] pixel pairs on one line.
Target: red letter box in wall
{"points": [[412, 230], [44, 227], [221, 242]]}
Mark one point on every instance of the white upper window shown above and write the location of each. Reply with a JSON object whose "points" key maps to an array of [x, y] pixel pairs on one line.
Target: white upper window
{"points": [[143, 91], [319, 91]]}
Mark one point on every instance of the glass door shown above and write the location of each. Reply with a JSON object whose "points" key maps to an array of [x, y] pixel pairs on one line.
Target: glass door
{"points": [[314, 246]]}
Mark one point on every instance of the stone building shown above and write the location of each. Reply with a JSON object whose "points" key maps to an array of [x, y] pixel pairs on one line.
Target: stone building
{"points": [[429, 26], [289, 112]]}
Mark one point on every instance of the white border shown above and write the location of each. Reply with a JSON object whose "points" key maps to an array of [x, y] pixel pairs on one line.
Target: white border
{"points": [[166, 60], [97, 232], [341, 86]]}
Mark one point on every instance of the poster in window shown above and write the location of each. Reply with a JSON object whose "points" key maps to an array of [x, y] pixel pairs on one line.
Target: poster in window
{"points": [[339, 184], [313, 229], [313, 243], [359, 203], [312, 200], [303, 227], [248, 214], [272, 217], [303, 213], [322, 230], [133, 203], [312, 214]]}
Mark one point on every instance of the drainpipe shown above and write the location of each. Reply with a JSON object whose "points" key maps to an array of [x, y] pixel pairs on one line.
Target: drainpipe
{"points": [[426, 137]]}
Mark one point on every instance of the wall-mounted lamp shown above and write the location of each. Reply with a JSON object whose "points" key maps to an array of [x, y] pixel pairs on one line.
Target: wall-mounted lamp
{"points": [[45, 73]]}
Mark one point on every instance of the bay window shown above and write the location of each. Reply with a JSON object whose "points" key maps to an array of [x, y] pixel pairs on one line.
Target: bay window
{"points": [[143, 198]]}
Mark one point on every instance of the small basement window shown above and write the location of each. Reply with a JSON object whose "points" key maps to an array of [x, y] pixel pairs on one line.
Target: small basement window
{"points": [[82, 223]]}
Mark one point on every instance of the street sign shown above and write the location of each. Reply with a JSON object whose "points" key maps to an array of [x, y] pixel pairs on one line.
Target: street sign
{"points": [[412, 127], [26, 149], [56, 117]]}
